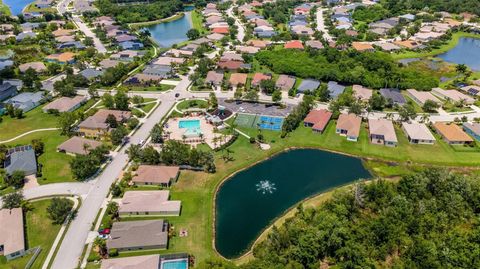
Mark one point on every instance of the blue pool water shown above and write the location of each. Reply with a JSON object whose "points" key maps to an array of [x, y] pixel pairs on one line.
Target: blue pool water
{"points": [[189, 124], [177, 264]]}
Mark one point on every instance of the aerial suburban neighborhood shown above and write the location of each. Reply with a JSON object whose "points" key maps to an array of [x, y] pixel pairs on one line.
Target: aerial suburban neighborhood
{"points": [[169, 134]]}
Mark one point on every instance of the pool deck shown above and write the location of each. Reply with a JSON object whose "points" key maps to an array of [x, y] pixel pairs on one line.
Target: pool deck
{"points": [[256, 108], [212, 139]]}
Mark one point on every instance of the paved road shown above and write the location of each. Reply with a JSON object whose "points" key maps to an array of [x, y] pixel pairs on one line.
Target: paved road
{"points": [[72, 245], [238, 23], [321, 24]]}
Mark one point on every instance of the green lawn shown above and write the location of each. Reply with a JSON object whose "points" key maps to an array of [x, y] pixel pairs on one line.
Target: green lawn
{"points": [[56, 166], [39, 232], [4, 8], [192, 104], [197, 22], [34, 119], [450, 45], [148, 107]]}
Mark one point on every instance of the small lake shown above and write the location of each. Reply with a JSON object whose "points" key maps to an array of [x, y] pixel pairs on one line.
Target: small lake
{"points": [[248, 202], [16, 6], [168, 33], [467, 52]]}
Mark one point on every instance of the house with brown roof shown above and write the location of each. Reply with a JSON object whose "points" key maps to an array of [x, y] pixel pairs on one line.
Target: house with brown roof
{"points": [[151, 203], [247, 49], [230, 65], [421, 97], [258, 43], [78, 146], [214, 78], [294, 44], [452, 133], [62, 32], [138, 235], [362, 46], [144, 262], [382, 132], [285, 82], [39, 67], [12, 237], [237, 79], [318, 120], [65, 104], [156, 175], [418, 133], [259, 77], [62, 58], [314, 44], [453, 95], [348, 125], [95, 126], [362, 93]]}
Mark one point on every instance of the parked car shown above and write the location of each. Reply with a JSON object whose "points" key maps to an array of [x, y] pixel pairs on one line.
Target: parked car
{"points": [[104, 231], [177, 95], [103, 236]]}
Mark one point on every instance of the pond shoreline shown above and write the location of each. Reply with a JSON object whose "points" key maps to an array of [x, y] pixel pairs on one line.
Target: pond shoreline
{"points": [[272, 155], [136, 25]]}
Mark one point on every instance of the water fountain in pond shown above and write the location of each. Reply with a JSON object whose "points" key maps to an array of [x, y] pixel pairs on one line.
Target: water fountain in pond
{"points": [[266, 186]]}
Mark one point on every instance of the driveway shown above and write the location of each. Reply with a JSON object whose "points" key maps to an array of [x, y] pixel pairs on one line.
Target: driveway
{"points": [[241, 29], [321, 24]]}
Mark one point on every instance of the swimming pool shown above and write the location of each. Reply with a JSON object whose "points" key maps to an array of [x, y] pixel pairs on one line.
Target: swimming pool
{"points": [[175, 264], [189, 124]]}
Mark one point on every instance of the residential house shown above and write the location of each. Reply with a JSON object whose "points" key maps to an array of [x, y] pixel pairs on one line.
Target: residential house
{"points": [[39, 67], [107, 63], [26, 101], [261, 44], [308, 85], [349, 125], [62, 58], [387, 46], [285, 82], [91, 74], [65, 39], [318, 120], [144, 262], [393, 96], [259, 77], [421, 97], [12, 236], [247, 49], [418, 133], [452, 133], [151, 203], [473, 129], [294, 44], [71, 45], [179, 53], [362, 46], [78, 146], [96, 127], [214, 78], [362, 93], [43, 3], [238, 79], [25, 35], [125, 55], [156, 175], [382, 132], [21, 158], [473, 90], [161, 71], [314, 44], [264, 31], [65, 104], [62, 32], [131, 45], [138, 235], [7, 90], [168, 61], [335, 89], [302, 30], [453, 95]]}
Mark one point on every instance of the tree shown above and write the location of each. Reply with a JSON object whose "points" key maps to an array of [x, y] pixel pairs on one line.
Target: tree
{"points": [[17, 179], [59, 209], [101, 245], [117, 135], [38, 146], [156, 134], [407, 112], [29, 78], [212, 100], [377, 102], [132, 123], [193, 34], [355, 108], [461, 68], [13, 200], [108, 101], [134, 152], [111, 121], [430, 106], [65, 122], [64, 88], [83, 167], [267, 86], [112, 209], [137, 99], [121, 101], [323, 93], [276, 96], [150, 155]]}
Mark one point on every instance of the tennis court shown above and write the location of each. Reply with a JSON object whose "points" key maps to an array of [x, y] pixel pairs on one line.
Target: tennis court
{"points": [[258, 121]]}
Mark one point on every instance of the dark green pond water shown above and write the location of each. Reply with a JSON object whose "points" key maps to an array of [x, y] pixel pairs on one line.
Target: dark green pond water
{"points": [[247, 203]]}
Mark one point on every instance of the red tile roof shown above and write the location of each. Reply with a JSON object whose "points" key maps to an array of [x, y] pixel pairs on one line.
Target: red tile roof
{"points": [[319, 119], [294, 44]]}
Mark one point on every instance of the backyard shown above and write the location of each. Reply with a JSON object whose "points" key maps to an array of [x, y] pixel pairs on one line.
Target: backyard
{"points": [[40, 232]]}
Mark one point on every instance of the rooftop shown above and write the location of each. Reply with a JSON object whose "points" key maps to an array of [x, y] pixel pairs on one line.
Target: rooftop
{"points": [[12, 236]]}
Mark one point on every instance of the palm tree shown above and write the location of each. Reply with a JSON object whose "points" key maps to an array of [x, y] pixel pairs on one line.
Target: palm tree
{"points": [[101, 245]]}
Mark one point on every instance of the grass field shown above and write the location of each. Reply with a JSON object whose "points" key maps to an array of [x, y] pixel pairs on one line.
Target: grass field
{"points": [[39, 232], [4, 9], [197, 22], [56, 166], [192, 104], [34, 119]]}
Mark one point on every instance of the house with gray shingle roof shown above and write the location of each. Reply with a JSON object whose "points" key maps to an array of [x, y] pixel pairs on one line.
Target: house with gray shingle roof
{"points": [[308, 85], [26, 101], [335, 89], [138, 235], [21, 158]]}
